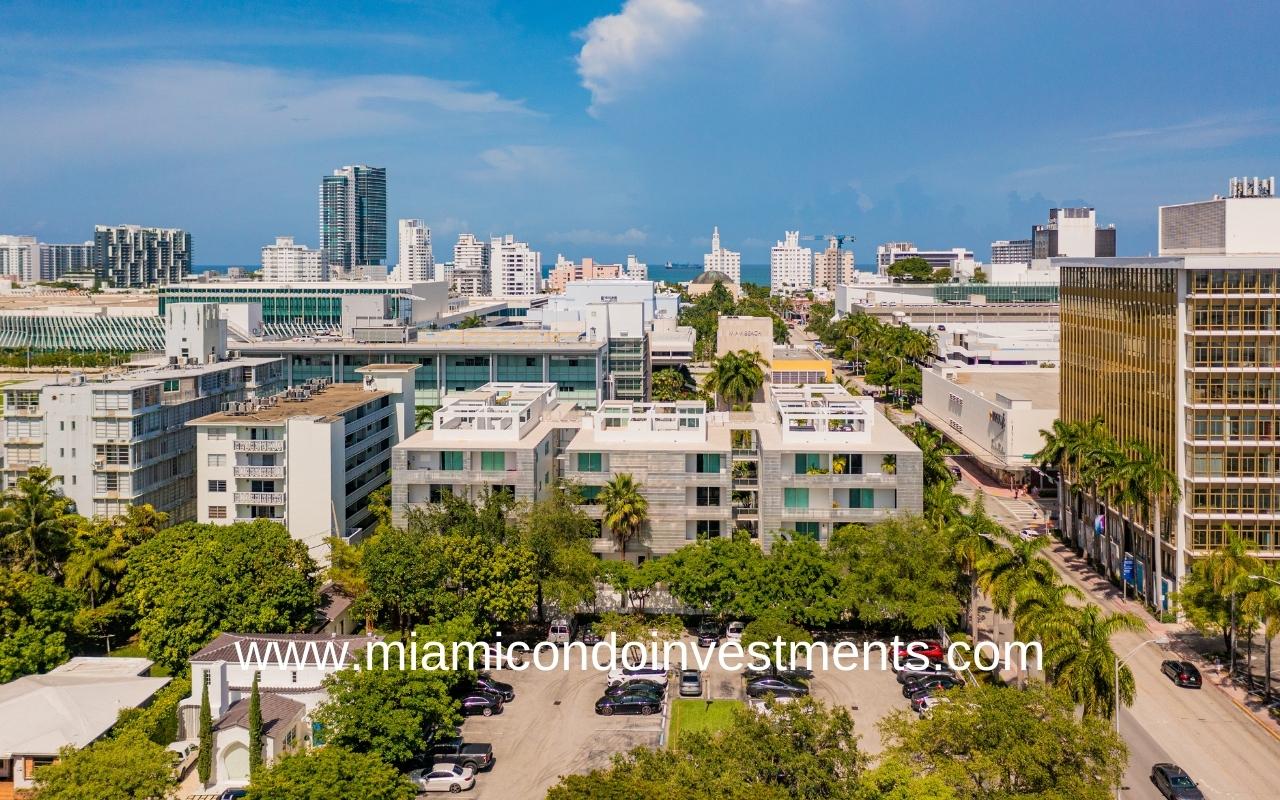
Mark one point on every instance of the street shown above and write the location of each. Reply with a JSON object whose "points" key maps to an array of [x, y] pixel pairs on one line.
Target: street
{"points": [[1226, 751]]}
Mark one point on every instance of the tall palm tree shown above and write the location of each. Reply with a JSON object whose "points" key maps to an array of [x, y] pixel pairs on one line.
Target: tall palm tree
{"points": [[972, 541], [625, 509], [96, 567], [1229, 570], [1057, 454], [736, 377], [1159, 485], [1100, 458], [1041, 609], [934, 449], [1079, 658], [36, 522], [1010, 572], [1263, 601]]}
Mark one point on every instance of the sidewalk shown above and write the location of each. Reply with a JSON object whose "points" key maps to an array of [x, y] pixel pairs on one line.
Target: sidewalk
{"points": [[1186, 642]]}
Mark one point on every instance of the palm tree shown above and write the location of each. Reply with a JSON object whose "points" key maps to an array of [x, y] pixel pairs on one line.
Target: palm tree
{"points": [[1041, 609], [1264, 603], [1008, 573], [36, 522], [625, 509], [973, 540], [1229, 569], [1059, 441], [1159, 485], [934, 449], [735, 377], [95, 568], [424, 417], [1079, 658]]}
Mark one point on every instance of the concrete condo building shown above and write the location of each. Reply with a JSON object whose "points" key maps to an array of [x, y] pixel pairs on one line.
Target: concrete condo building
{"points": [[130, 256], [416, 263], [1072, 232], [308, 457], [1017, 251], [353, 217], [286, 262], [959, 260], [790, 265], [566, 272], [514, 269], [471, 259], [20, 258], [1179, 351], [57, 260], [636, 269], [500, 437], [832, 266], [725, 262], [121, 441]]}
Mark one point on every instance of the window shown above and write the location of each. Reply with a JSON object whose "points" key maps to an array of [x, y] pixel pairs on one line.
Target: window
{"points": [[172, 385], [590, 462], [707, 528], [217, 512], [493, 462], [217, 486], [810, 529], [217, 433], [862, 498], [795, 498], [847, 464], [217, 460], [708, 495], [707, 462], [451, 460], [437, 492], [589, 494], [806, 462]]}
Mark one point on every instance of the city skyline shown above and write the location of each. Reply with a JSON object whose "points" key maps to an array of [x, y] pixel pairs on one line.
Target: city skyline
{"points": [[608, 128]]}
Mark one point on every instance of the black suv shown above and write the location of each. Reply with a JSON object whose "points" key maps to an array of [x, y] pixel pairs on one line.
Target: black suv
{"points": [[709, 633], [1183, 673], [486, 683], [456, 751], [929, 683]]}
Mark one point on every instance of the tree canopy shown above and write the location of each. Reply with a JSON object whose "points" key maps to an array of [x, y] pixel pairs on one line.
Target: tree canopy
{"points": [[129, 768], [331, 772]]}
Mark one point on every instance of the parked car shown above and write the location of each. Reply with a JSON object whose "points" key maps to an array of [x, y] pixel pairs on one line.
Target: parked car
{"points": [[708, 633], [589, 636], [928, 702], [509, 660], [1174, 783], [931, 651], [233, 794], [445, 778], [690, 683], [779, 687], [928, 683], [633, 703], [1028, 534], [634, 687], [481, 703], [734, 631], [656, 673], [561, 630], [1183, 673], [486, 683], [185, 754], [934, 668], [472, 755]]}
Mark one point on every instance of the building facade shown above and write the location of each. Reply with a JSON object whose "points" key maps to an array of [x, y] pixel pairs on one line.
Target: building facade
{"points": [[636, 269], [307, 458], [471, 259], [726, 262], [1016, 251], [514, 268], [416, 262], [20, 258], [790, 265], [353, 217], [832, 266], [958, 260], [57, 260], [286, 262], [1073, 232], [566, 272], [130, 256]]}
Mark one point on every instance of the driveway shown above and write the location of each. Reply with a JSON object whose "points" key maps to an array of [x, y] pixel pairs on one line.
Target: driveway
{"points": [[868, 695]]}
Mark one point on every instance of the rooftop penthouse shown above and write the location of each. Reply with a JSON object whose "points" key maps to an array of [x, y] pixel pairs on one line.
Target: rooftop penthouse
{"points": [[624, 421], [495, 411], [823, 413]]}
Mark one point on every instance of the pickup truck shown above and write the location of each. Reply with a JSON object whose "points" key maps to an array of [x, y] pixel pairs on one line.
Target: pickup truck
{"points": [[464, 754]]}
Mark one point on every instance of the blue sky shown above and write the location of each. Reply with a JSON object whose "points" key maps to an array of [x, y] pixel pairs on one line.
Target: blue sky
{"points": [[600, 128]]}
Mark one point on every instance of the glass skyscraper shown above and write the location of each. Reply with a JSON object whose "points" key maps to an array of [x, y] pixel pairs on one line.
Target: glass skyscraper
{"points": [[353, 216]]}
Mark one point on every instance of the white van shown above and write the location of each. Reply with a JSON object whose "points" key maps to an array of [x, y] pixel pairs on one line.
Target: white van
{"points": [[653, 673], [734, 632], [561, 630]]}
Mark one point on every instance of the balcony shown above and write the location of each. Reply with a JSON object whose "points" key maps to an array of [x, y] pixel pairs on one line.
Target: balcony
{"points": [[841, 478], [746, 452], [273, 473], [745, 483], [840, 512], [259, 498], [746, 511], [258, 445]]}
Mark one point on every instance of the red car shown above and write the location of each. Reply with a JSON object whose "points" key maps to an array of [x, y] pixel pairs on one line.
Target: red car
{"points": [[932, 651]]}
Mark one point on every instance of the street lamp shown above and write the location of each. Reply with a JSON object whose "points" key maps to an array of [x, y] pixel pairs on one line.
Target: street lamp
{"points": [[1115, 687]]}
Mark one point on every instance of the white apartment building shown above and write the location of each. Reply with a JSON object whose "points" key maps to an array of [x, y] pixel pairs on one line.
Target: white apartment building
{"points": [[1016, 251], [1002, 344], [959, 260], [726, 262], [471, 273], [790, 265], [308, 457], [514, 269], [1073, 232], [131, 256], [121, 440], [290, 688], [636, 270], [20, 258], [832, 266], [417, 262], [501, 437], [57, 260], [287, 262]]}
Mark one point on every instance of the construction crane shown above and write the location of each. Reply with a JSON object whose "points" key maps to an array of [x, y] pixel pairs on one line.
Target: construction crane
{"points": [[840, 238]]}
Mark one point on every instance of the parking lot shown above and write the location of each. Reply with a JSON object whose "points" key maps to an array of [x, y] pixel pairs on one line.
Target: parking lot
{"points": [[551, 729]]}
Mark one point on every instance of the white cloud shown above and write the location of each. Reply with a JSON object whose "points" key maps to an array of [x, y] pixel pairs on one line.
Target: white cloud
{"points": [[584, 236], [1206, 132], [202, 105], [521, 161], [619, 48]]}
